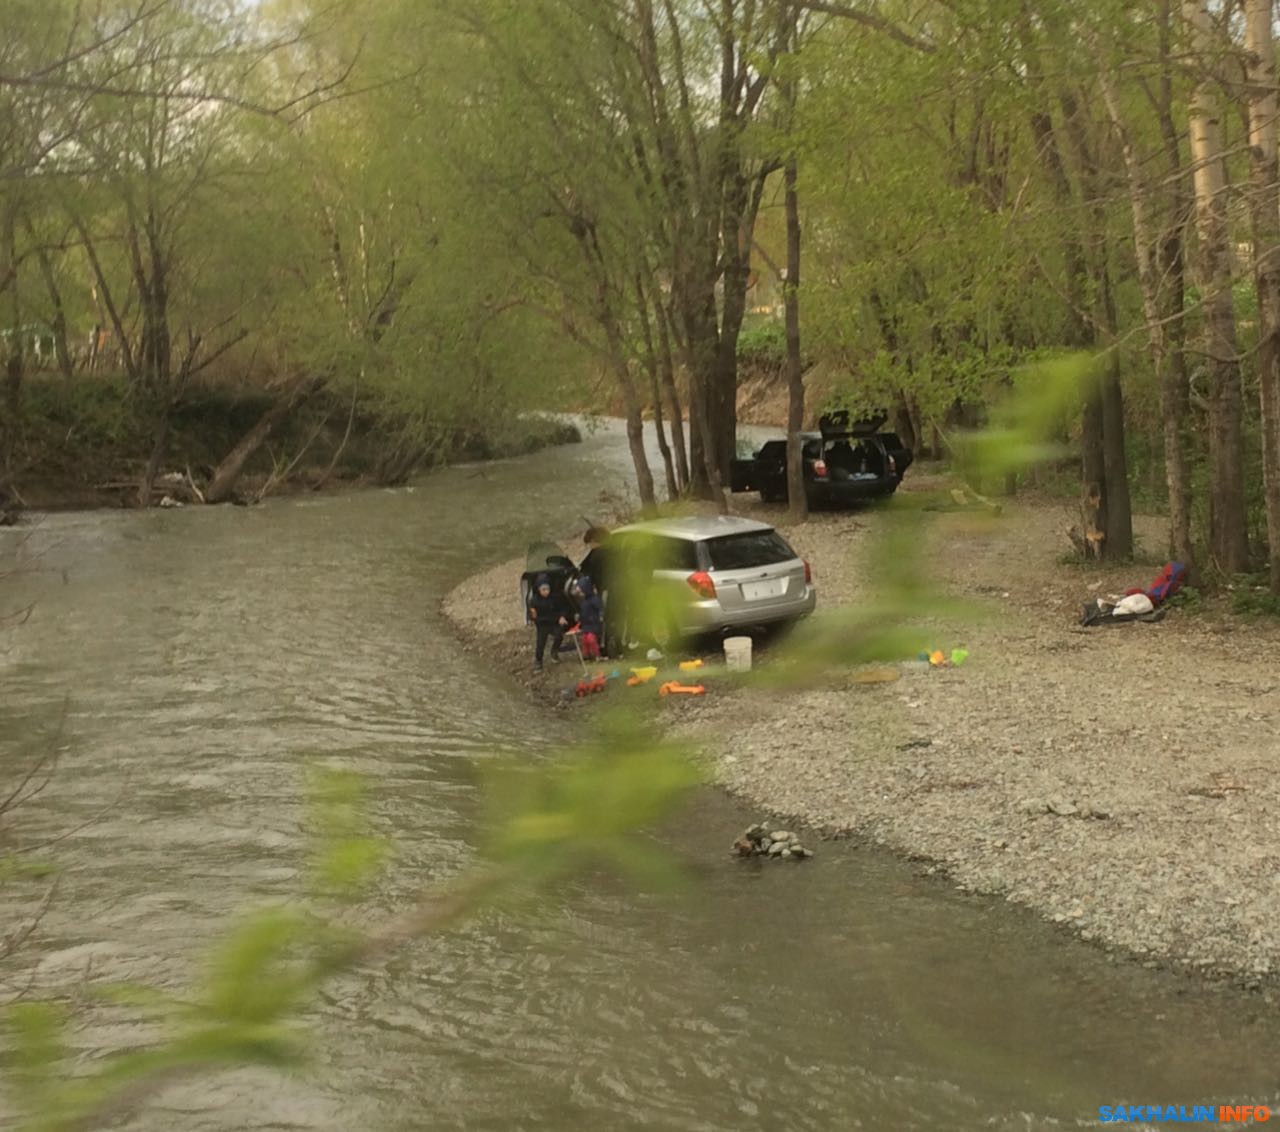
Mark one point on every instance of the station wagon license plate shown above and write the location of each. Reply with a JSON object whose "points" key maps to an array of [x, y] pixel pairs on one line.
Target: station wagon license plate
{"points": [[755, 591]]}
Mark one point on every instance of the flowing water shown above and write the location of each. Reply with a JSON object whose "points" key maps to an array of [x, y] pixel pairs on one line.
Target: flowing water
{"points": [[195, 665]]}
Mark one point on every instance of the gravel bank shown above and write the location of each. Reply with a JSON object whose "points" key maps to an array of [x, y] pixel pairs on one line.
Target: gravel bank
{"points": [[1121, 782]]}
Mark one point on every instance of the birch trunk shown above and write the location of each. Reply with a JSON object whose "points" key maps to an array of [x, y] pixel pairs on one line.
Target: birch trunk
{"points": [[1228, 537], [1264, 209]]}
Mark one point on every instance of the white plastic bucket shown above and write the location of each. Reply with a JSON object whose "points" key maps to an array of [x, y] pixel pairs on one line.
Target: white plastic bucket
{"points": [[737, 653]]}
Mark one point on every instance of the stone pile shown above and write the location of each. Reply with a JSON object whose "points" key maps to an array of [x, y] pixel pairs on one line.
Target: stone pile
{"points": [[780, 844]]}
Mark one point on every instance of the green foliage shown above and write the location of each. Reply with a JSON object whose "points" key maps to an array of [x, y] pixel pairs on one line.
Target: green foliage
{"points": [[1189, 600], [889, 624], [592, 807], [85, 414], [762, 345], [1251, 598], [346, 856], [1022, 426], [586, 810]]}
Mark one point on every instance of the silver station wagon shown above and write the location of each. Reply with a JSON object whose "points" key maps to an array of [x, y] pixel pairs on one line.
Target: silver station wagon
{"points": [[711, 574]]}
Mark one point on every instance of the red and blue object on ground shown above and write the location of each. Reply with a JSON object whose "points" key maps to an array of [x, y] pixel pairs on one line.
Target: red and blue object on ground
{"points": [[1168, 582], [590, 687]]}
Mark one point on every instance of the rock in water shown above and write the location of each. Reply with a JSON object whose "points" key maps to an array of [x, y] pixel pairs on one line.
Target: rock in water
{"points": [[775, 850]]}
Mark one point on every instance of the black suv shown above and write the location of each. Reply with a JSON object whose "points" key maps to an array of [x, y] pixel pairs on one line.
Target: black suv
{"points": [[845, 463]]}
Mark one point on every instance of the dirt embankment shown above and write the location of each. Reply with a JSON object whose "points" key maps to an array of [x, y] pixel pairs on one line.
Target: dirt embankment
{"points": [[84, 443], [1121, 781]]}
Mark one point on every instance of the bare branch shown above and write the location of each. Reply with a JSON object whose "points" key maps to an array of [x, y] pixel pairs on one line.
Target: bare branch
{"points": [[871, 20]]}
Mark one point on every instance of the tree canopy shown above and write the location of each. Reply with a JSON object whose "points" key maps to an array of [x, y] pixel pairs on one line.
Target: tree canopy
{"points": [[454, 213]]}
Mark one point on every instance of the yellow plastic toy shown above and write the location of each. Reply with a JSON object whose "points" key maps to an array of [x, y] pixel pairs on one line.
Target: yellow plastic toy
{"points": [[690, 665], [642, 676]]}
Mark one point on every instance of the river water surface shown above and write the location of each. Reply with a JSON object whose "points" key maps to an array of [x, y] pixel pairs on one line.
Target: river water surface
{"points": [[206, 660]]}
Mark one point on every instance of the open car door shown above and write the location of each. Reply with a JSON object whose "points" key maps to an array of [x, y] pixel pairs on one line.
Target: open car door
{"points": [[742, 475], [548, 558]]}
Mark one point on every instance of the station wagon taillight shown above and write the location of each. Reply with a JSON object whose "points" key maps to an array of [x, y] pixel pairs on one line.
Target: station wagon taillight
{"points": [[820, 469], [702, 584], [808, 573]]}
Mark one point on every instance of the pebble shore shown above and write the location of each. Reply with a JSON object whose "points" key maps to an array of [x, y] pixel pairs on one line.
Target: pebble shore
{"points": [[1120, 782]]}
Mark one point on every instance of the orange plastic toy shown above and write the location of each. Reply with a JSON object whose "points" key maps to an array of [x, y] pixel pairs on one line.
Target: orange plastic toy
{"points": [[674, 688]]}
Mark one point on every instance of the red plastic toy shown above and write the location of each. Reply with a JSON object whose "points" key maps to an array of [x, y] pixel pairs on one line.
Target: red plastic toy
{"points": [[589, 687]]}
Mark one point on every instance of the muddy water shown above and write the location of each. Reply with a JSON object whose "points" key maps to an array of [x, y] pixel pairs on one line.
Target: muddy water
{"points": [[207, 660]]}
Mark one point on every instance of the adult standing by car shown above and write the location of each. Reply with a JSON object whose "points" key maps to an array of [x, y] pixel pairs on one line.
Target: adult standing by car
{"points": [[601, 565]]}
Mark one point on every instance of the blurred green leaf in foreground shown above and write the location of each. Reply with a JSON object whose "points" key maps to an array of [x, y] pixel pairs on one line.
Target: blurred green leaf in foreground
{"points": [[547, 820]]}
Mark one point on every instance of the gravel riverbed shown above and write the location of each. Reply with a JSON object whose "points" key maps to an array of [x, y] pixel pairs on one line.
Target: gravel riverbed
{"points": [[1119, 781]]}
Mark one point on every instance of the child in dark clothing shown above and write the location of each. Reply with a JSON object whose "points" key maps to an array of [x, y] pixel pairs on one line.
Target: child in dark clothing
{"points": [[549, 612], [590, 616]]}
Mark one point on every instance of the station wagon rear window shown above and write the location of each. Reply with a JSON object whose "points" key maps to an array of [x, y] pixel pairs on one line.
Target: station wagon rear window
{"points": [[748, 550]]}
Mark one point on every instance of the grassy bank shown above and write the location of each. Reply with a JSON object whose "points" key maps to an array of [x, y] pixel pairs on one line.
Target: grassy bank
{"points": [[84, 443]]}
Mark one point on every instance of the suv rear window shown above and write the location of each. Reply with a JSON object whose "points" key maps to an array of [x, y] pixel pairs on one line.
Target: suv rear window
{"points": [[655, 552], [747, 550], [675, 554]]}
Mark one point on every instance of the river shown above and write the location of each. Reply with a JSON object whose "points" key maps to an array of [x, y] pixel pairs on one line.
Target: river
{"points": [[207, 660]]}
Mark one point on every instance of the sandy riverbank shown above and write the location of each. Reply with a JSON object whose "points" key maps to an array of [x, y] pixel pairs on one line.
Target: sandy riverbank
{"points": [[1157, 745]]}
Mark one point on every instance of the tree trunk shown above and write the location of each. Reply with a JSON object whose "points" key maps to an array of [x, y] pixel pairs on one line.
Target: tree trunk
{"points": [[799, 503], [726, 381], [1117, 514], [655, 391], [1228, 535], [634, 415], [635, 441], [666, 362], [1118, 526], [1093, 476], [700, 350], [59, 321], [606, 313], [904, 423], [105, 296], [699, 481], [668, 465], [711, 469], [159, 447], [1264, 207], [1159, 260], [1175, 389], [13, 361], [228, 472]]}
